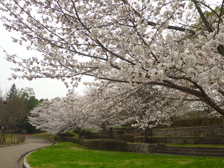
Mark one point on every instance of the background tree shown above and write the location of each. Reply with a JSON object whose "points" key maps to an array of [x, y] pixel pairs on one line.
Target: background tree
{"points": [[30, 101], [13, 110], [2, 114], [12, 94]]}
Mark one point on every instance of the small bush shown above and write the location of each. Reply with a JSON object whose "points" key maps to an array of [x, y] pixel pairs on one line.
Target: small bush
{"points": [[68, 134], [127, 137], [85, 132], [97, 136], [156, 140], [67, 139]]}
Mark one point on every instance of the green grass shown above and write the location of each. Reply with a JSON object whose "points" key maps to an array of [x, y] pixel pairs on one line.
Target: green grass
{"points": [[70, 155]]}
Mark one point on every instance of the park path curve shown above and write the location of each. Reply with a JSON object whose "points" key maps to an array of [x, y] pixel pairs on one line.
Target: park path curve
{"points": [[10, 154]]}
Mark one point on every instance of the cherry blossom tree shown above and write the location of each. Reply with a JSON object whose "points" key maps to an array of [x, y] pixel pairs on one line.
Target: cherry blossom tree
{"points": [[143, 107], [108, 104], [61, 115], [171, 44]]}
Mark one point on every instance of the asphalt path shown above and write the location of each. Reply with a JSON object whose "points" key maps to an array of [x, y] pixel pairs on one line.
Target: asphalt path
{"points": [[10, 154]]}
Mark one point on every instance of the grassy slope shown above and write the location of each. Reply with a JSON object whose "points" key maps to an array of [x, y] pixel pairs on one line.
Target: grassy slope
{"points": [[70, 155]]}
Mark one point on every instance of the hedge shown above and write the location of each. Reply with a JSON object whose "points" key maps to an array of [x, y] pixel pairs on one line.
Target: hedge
{"points": [[104, 144]]}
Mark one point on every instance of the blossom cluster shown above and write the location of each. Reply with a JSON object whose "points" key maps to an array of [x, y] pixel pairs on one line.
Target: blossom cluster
{"points": [[176, 45]]}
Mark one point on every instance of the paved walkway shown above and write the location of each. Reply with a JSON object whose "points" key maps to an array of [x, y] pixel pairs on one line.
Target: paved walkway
{"points": [[10, 154]]}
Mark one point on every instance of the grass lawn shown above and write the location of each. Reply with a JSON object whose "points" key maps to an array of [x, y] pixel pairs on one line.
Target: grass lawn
{"points": [[70, 155]]}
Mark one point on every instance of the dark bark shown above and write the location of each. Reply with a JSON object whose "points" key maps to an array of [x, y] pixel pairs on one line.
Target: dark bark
{"points": [[111, 132], [221, 49], [150, 132], [80, 134], [104, 127], [205, 21], [146, 134]]}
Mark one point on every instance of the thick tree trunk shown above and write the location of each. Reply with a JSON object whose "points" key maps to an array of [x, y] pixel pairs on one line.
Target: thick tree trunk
{"points": [[198, 93], [150, 132], [146, 134], [111, 132], [80, 134], [104, 127]]}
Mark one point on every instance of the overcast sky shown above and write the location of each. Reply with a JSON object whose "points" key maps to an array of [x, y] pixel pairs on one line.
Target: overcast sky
{"points": [[43, 88]]}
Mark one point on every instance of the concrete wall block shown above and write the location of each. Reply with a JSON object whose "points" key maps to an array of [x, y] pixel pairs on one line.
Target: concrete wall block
{"points": [[200, 131]]}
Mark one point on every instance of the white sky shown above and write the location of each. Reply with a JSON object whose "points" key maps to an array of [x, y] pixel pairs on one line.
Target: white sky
{"points": [[43, 88]]}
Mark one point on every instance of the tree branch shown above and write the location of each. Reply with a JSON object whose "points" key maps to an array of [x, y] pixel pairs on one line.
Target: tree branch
{"points": [[207, 25], [220, 15]]}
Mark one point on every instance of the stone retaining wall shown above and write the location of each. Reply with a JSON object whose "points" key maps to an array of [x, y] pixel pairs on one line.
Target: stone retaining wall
{"points": [[200, 131], [143, 147], [173, 140], [112, 144]]}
